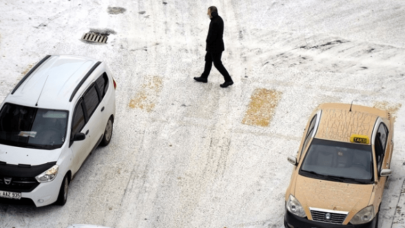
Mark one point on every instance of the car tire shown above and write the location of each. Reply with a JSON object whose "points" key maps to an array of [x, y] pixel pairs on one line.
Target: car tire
{"points": [[376, 220], [107, 133], [376, 216], [63, 192]]}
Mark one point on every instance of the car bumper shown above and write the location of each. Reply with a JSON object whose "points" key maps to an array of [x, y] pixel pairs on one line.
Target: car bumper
{"points": [[44, 194], [292, 221]]}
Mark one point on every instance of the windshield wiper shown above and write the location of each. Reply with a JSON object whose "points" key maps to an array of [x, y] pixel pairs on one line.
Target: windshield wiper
{"points": [[337, 178], [38, 146], [45, 147], [325, 176], [360, 181]]}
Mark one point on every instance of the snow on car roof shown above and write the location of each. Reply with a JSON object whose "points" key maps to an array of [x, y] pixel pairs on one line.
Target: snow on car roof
{"points": [[53, 81], [339, 122]]}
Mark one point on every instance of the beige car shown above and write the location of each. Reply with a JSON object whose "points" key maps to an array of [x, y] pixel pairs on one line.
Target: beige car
{"points": [[341, 168]]}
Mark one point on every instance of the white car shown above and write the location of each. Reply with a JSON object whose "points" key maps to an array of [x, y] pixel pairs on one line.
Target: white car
{"points": [[51, 121]]}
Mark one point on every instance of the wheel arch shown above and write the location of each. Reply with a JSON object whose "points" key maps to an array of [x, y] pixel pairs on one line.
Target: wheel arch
{"points": [[69, 175]]}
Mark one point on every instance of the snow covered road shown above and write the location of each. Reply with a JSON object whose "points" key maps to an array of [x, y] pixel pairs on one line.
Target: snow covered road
{"points": [[186, 154]]}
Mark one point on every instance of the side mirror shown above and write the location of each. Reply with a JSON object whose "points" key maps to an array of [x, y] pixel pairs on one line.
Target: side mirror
{"points": [[79, 137], [385, 172], [292, 160]]}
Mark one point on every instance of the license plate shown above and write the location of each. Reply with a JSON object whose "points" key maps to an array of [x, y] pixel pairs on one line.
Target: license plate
{"points": [[10, 195]]}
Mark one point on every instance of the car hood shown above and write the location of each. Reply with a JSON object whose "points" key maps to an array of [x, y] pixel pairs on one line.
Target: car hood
{"points": [[19, 155], [332, 195]]}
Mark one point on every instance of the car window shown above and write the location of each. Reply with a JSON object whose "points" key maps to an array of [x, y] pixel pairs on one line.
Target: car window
{"points": [[309, 133], [78, 119], [312, 124], [380, 142], [102, 84], [307, 138], [383, 132], [31, 127], [91, 100], [330, 160]]}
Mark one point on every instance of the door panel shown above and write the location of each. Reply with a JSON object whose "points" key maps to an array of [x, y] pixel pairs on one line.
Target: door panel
{"points": [[79, 148], [104, 109], [93, 109], [379, 191], [382, 150]]}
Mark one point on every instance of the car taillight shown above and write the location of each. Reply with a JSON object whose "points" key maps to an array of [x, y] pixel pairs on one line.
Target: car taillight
{"points": [[115, 84]]}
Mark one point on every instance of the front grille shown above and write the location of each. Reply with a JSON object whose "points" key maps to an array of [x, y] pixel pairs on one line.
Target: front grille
{"points": [[18, 184], [23, 201], [328, 217]]}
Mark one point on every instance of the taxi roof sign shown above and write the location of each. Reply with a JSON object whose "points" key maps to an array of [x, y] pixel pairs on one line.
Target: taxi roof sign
{"points": [[363, 139]]}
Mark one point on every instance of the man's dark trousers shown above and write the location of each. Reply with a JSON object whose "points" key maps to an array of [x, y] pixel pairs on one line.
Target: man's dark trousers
{"points": [[216, 58]]}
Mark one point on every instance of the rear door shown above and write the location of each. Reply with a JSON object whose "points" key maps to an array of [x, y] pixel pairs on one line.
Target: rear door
{"points": [[93, 114], [102, 85]]}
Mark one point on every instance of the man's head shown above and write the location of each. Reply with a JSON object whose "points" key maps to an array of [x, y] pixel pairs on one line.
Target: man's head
{"points": [[211, 10]]}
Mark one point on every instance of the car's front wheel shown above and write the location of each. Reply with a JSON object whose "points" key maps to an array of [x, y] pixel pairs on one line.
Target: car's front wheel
{"points": [[107, 133], [376, 217], [63, 192]]}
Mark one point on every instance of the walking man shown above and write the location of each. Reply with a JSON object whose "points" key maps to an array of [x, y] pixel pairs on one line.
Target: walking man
{"points": [[215, 47]]}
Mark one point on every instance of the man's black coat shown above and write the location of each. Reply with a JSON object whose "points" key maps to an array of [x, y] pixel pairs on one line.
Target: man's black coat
{"points": [[215, 43]]}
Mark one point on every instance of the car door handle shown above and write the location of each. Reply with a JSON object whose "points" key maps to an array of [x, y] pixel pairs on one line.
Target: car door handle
{"points": [[87, 132], [102, 109]]}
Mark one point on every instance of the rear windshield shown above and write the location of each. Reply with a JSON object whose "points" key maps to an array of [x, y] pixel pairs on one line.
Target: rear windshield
{"points": [[338, 161], [32, 127]]}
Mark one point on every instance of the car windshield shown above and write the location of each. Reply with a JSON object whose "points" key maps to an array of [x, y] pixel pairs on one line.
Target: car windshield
{"points": [[32, 127], [338, 161]]}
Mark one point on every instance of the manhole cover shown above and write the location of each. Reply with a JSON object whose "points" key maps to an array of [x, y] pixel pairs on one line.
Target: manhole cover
{"points": [[95, 37]]}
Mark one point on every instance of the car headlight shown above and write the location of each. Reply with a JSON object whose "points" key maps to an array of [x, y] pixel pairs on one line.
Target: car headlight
{"points": [[363, 216], [48, 175], [294, 207]]}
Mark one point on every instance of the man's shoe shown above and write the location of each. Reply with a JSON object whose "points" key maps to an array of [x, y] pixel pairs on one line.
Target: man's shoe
{"points": [[226, 84], [201, 79]]}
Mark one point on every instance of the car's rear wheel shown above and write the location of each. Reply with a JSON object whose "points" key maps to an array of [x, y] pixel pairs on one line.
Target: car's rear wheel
{"points": [[107, 133], [63, 192]]}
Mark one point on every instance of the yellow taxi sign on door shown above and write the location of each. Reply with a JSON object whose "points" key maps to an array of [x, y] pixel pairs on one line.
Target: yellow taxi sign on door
{"points": [[360, 139]]}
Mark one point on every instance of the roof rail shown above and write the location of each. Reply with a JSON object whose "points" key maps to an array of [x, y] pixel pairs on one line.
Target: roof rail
{"points": [[82, 81], [30, 72]]}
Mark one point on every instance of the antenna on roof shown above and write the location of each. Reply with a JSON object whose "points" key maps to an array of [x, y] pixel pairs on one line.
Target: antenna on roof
{"points": [[42, 90], [351, 106]]}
